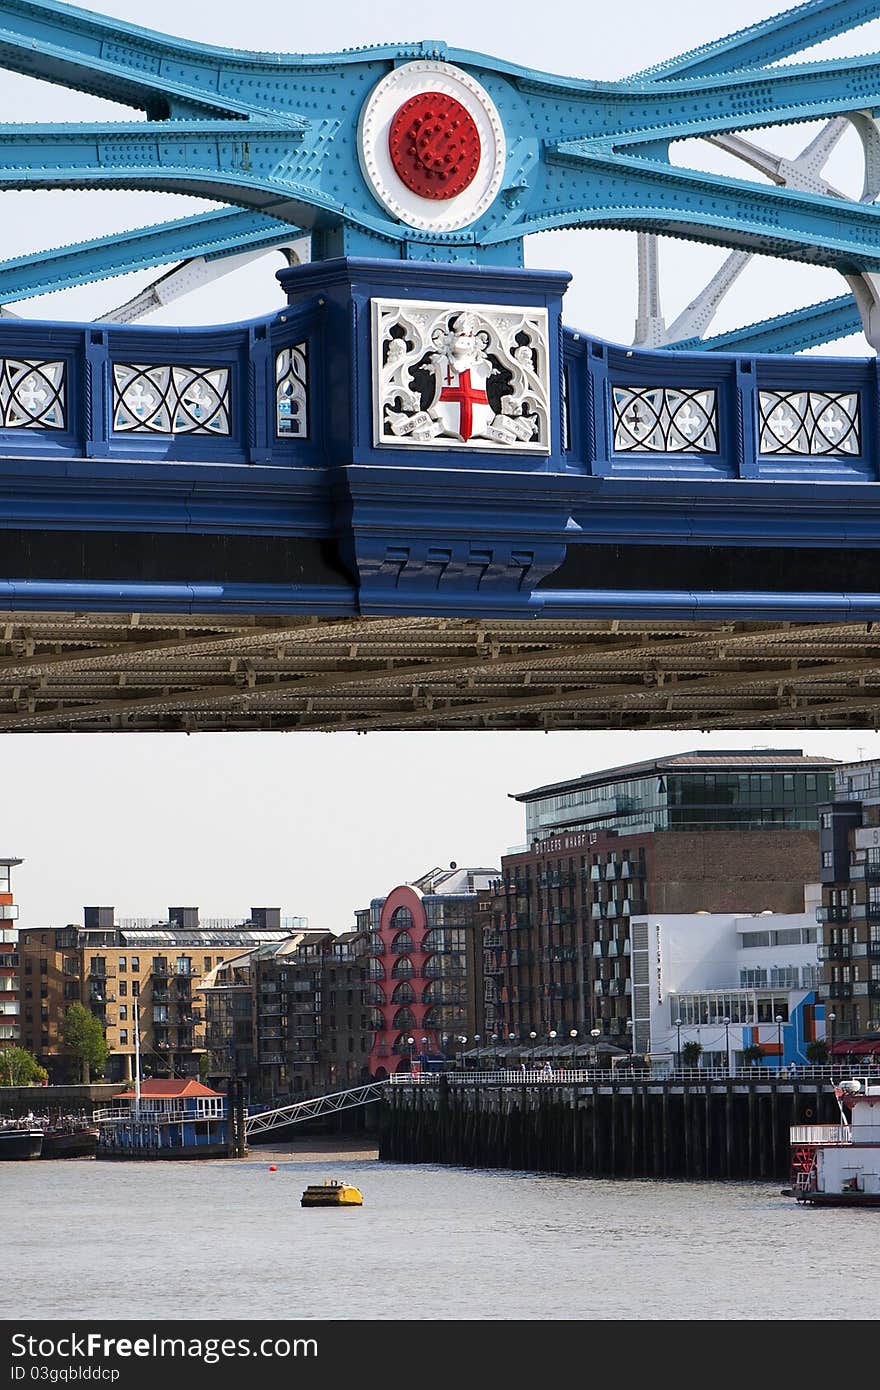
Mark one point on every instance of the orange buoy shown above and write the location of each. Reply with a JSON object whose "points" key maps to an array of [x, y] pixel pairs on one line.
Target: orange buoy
{"points": [[273, 1168]]}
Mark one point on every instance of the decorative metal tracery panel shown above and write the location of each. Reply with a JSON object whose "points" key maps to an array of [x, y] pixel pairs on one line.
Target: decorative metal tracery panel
{"points": [[291, 392], [810, 422], [32, 394], [665, 420], [151, 399]]}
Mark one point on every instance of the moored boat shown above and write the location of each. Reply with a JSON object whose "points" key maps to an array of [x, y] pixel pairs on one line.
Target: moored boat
{"points": [[68, 1141], [19, 1141], [839, 1165], [172, 1118], [331, 1194]]}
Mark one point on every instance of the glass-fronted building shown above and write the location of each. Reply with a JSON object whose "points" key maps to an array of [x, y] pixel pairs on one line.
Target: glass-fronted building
{"points": [[687, 791]]}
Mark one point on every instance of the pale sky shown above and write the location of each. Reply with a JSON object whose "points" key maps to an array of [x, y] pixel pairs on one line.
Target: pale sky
{"points": [[318, 824]]}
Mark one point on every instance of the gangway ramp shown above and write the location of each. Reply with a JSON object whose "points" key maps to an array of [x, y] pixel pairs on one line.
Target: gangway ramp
{"points": [[312, 1109]]}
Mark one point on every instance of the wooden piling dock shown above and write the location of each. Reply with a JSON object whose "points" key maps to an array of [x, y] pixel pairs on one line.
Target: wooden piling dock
{"points": [[727, 1129]]}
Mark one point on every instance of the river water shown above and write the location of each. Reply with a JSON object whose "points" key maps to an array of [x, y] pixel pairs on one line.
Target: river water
{"points": [[229, 1239]]}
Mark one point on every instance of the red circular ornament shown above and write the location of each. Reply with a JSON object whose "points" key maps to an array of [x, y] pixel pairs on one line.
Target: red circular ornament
{"points": [[434, 145]]}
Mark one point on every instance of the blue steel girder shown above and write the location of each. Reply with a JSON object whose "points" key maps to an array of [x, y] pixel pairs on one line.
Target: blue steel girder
{"points": [[278, 134], [211, 234], [766, 41], [784, 333]]}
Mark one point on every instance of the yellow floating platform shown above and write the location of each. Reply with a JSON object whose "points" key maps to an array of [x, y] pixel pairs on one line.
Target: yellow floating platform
{"points": [[331, 1194]]}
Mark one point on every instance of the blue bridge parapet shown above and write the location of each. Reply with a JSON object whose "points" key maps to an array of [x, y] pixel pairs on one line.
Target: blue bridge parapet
{"points": [[308, 461]]}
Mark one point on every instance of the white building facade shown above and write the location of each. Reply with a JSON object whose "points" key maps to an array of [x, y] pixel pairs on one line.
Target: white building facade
{"points": [[726, 982]]}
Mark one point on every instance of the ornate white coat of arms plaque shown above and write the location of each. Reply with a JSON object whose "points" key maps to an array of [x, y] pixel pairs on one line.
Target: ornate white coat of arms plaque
{"points": [[467, 377]]}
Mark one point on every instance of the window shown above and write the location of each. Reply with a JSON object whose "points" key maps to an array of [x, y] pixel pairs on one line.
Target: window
{"points": [[755, 938], [401, 919], [123, 1012], [123, 988], [122, 963], [135, 962], [826, 820], [827, 859], [785, 977], [135, 989], [123, 1036], [207, 960], [183, 965], [753, 978]]}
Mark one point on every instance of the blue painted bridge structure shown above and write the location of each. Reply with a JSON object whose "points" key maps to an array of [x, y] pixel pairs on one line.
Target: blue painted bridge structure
{"points": [[412, 497]]}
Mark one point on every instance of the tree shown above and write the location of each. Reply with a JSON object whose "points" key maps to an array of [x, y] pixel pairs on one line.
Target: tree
{"points": [[20, 1068], [753, 1055], [691, 1054], [817, 1051], [83, 1034]]}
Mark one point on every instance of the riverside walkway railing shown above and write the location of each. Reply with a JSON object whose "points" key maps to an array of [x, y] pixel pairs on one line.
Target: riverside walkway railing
{"points": [[561, 1076]]}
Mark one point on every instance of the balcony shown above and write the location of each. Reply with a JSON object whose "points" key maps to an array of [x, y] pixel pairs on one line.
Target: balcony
{"points": [[837, 951], [839, 989], [832, 914], [520, 958], [519, 921], [561, 953]]}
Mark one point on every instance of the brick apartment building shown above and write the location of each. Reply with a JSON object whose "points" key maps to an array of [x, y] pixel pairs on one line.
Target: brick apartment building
{"points": [[425, 965], [292, 1015], [10, 981], [849, 871], [153, 970], [695, 832]]}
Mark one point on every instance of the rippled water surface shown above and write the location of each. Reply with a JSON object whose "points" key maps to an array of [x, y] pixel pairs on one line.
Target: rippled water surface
{"points": [[230, 1239]]}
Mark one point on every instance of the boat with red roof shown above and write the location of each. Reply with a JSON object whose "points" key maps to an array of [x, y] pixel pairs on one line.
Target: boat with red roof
{"points": [[164, 1118]]}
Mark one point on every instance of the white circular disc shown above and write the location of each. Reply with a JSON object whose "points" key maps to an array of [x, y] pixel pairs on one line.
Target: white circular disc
{"points": [[380, 108]]}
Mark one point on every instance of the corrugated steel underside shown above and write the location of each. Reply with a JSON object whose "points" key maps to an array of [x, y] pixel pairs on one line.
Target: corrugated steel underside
{"points": [[94, 672]]}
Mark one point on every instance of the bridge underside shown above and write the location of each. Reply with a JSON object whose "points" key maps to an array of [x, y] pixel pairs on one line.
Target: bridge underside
{"points": [[91, 672]]}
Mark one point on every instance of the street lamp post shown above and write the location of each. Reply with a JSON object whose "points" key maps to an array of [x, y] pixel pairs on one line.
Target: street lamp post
{"points": [[573, 1035], [829, 1029], [678, 1026], [462, 1038], [424, 1052], [477, 1046], [533, 1035], [410, 1042], [726, 1022], [778, 1022], [595, 1034]]}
